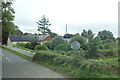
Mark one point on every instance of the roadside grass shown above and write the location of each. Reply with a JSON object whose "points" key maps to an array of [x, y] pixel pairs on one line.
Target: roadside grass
{"points": [[95, 70], [111, 59], [19, 54], [24, 48], [70, 71]]}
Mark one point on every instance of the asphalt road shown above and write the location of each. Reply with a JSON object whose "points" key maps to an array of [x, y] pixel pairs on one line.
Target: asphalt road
{"points": [[14, 66]]}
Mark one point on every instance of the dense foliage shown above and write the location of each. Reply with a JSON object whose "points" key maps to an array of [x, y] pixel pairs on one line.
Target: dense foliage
{"points": [[80, 39], [93, 48], [20, 44], [47, 44], [105, 35], [55, 41], [8, 27], [27, 45], [33, 44], [41, 47], [69, 47], [77, 68], [68, 36], [95, 58], [61, 47]]}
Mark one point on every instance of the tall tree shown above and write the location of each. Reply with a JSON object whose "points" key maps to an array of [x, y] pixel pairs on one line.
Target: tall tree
{"points": [[7, 18], [84, 33], [7, 21], [93, 47], [43, 25]]}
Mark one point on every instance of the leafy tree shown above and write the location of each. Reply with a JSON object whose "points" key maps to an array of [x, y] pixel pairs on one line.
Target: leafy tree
{"points": [[76, 34], [27, 45], [68, 36], [53, 34], [57, 40], [35, 34], [93, 47], [105, 35], [87, 34], [47, 44], [7, 18], [43, 25], [27, 33], [40, 47], [15, 30], [69, 47], [61, 47], [81, 40], [84, 33], [90, 34]]}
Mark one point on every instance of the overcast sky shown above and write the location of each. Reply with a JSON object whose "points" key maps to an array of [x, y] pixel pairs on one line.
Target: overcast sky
{"points": [[96, 15]]}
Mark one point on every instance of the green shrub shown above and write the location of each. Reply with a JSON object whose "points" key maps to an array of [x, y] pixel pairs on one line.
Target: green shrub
{"points": [[41, 47], [52, 57], [101, 46], [69, 47], [110, 53], [20, 44], [81, 40], [27, 45], [74, 67], [47, 44], [56, 40], [33, 44], [61, 47]]}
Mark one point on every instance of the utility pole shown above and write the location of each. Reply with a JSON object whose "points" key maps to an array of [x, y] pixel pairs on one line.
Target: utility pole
{"points": [[66, 28]]}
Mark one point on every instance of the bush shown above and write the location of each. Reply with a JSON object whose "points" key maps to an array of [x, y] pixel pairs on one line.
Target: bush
{"points": [[47, 44], [69, 47], [41, 47], [55, 41], [20, 44], [81, 40], [33, 44], [109, 52], [27, 45], [61, 47], [52, 57]]}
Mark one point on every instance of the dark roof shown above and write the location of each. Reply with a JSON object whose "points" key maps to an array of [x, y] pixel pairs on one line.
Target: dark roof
{"points": [[28, 37]]}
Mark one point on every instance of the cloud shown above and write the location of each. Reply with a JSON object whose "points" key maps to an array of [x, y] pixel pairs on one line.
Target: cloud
{"points": [[78, 14]]}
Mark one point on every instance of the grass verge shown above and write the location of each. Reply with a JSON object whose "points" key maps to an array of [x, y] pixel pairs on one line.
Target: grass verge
{"points": [[19, 54]]}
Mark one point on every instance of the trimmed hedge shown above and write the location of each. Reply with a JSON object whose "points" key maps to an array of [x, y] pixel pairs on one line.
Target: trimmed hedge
{"points": [[41, 47]]}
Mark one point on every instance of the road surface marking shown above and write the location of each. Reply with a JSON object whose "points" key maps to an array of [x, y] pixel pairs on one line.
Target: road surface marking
{"points": [[8, 59]]}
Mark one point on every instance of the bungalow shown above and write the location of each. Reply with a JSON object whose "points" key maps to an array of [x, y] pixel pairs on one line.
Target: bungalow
{"points": [[13, 39]]}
